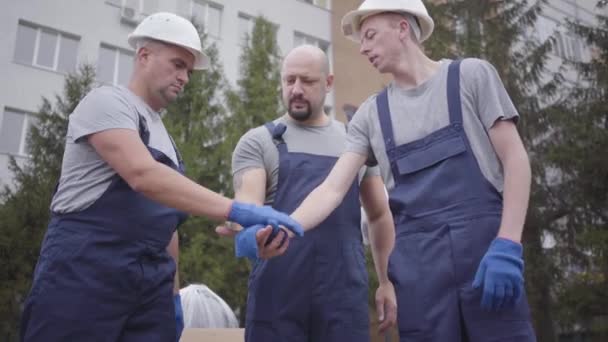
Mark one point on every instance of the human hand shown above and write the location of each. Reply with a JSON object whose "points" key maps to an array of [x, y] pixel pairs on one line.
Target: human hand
{"points": [[386, 306], [501, 274], [248, 215], [261, 242]]}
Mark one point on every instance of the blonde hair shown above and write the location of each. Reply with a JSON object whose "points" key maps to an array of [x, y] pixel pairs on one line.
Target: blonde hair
{"points": [[412, 23]]}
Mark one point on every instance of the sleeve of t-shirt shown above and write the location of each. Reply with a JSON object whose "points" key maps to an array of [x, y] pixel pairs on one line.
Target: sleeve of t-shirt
{"points": [[371, 171], [249, 151], [490, 96], [359, 131], [102, 109]]}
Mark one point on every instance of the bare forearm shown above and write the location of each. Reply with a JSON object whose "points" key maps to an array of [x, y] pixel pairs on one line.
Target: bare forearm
{"points": [[327, 196], [516, 195], [317, 206], [382, 241], [167, 186]]}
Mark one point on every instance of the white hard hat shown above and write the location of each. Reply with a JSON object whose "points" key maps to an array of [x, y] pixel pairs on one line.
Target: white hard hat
{"points": [[172, 29], [351, 22]]}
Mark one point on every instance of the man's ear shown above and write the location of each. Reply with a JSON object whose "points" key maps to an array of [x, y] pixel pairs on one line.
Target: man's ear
{"points": [[329, 82], [143, 53], [404, 29]]}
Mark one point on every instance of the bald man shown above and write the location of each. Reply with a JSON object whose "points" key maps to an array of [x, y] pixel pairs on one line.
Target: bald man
{"points": [[317, 290]]}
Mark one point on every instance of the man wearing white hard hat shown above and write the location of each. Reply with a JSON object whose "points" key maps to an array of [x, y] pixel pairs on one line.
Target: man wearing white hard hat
{"points": [[444, 135], [104, 273]]}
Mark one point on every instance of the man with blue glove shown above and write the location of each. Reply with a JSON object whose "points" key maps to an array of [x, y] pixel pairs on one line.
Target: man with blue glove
{"points": [[444, 136], [104, 273], [317, 290]]}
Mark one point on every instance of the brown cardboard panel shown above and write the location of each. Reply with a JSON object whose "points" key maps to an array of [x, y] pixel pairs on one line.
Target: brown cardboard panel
{"points": [[213, 335]]}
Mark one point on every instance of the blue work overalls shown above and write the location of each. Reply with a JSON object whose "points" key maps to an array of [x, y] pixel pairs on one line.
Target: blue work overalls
{"points": [[317, 291], [104, 273], [446, 214]]}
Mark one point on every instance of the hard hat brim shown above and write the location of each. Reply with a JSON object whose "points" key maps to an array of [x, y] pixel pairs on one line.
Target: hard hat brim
{"points": [[351, 22], [201, 60]]}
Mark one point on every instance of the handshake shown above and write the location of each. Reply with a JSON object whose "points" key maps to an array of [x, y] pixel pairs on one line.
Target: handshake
{"points": [[254, 218]]}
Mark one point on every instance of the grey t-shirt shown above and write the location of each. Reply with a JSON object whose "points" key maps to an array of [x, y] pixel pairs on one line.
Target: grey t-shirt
{"points": [[420, 111], [256, 149], [85, 176]]}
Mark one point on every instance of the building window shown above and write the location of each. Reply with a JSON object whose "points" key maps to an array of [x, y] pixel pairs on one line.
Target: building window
{"points": [[14, 126], [46, 48], [245, 28], [208, 16], [301, 39], [570, 48], [138, 6], [114, 65], [321, 3]]}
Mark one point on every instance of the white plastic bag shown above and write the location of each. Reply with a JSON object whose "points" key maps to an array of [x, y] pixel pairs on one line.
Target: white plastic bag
{"points": [[205, 309]]}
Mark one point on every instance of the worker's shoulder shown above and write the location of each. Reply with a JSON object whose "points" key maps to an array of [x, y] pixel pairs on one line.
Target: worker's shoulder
{"points": [[258, 134], [368, 106], [107, 95], [475, 68]]}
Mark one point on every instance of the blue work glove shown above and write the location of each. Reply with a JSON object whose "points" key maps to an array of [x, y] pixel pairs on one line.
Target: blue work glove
{"points": [[179, 315], [245, 242], [248, 215], [501, 273]]}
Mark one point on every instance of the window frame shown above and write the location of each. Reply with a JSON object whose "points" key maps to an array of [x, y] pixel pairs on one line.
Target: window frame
{"points": [[117, 51], [316, 4], [25, 126], [59, 35], [251, 21], [206, 5], [308, 39]]}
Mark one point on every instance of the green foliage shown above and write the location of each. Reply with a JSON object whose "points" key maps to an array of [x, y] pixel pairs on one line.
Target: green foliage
{"points": [[577, 148], [257, 99], [206, 132], [25, 207], [196, 122], [498, 32], [564, 130]]}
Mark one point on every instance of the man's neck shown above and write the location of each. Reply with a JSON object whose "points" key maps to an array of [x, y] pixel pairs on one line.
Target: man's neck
{"points": [[138, 89], [414, 69], [316, 120]]}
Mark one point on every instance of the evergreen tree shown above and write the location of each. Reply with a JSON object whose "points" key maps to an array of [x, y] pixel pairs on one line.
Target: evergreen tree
{"points": [[499, 31], [24, 208], [197, 123], [206, 132], [257, 99], [578, 149]]}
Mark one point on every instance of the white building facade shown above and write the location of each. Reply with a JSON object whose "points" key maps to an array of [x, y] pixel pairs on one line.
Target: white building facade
{"points": [[568, 46], [42, 41]]}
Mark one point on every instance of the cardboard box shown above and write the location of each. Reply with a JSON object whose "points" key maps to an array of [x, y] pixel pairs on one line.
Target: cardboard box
{"points": [[213, 335]]}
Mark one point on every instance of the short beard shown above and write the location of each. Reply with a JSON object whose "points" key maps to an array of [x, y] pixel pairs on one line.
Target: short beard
{"points": [[301, 115], [166, 97]]}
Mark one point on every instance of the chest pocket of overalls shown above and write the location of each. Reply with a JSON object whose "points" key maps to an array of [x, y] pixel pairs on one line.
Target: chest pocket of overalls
{"points": [[438, 159]]}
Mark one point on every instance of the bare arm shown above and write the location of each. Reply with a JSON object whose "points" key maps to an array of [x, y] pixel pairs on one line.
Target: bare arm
{"points": [[129, 157], [516, 166], [327, 196], [381, 226], [382, 240], [173, 250], [250, 186]]}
